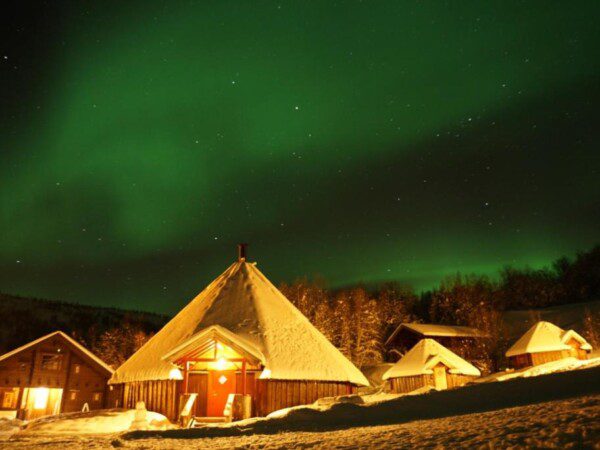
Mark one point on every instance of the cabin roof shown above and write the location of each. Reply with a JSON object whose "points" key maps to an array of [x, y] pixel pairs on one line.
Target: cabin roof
{"points": [[245, 307], [424, 356], [546, 337], [204, 339], [69, 339], [436, 330]]}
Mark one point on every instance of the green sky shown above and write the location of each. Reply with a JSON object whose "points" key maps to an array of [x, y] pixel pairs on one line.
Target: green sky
{"points": [[362, 141]]}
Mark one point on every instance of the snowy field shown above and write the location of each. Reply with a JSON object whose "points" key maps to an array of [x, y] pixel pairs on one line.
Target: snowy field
{"points": [[559, 410], [559, 424]]}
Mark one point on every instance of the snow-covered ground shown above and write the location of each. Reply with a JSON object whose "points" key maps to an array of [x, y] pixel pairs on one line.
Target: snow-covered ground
{"points": [[562, 365], [561, 424]]}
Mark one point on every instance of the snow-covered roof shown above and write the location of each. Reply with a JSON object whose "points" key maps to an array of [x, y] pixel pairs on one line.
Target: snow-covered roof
{"points": [[66, 337], [546, 337], [253, 312], [424, 356], [435, 330]]}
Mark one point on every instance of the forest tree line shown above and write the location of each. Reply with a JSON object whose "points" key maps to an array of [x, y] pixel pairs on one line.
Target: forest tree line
{"points": [[356, 320]]}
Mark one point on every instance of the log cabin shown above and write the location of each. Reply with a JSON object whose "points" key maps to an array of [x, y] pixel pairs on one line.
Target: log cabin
{"points": [[431, 364], [239, 342], [545, 342], [51, 375], [459, 339]]}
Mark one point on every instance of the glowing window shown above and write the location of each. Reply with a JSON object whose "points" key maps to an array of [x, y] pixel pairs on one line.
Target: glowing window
{"points": [[9, 399], [40, 398], [222, 379], [73, 395], [77, 368], [97, 396]]}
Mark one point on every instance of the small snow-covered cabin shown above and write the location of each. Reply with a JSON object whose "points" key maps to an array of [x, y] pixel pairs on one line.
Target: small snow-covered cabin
{"points": [[545, 342], [459, 339], [240, 341], [429, 363], [51, 375]]}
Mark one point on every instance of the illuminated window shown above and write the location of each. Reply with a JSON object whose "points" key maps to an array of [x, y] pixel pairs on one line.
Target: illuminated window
{"points": [[51, 361], [40, 398], [9, 399], [77, 368], [97, 396], [222, 379], [73, 395]]}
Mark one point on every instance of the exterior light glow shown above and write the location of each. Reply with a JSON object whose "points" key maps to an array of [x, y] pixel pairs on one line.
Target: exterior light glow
{"points": [[175, 374], [221, 364]]}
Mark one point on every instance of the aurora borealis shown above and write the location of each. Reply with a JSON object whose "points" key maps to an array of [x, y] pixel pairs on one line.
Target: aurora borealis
{"points": [[362, 141]]}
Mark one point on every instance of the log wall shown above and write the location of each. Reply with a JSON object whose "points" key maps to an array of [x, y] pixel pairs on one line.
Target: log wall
{"points": [[161, 396], [272, 395], [403, 385], [542, 358], [534, 359], [267, 395], [457, 380]]}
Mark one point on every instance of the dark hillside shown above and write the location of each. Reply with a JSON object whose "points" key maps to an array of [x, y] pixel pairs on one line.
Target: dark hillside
{"points": [[26, 319]]}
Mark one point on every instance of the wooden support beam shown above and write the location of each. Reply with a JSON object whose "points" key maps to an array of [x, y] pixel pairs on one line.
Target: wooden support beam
{"points": [[67, 379], [186, 377], [244, 376]]}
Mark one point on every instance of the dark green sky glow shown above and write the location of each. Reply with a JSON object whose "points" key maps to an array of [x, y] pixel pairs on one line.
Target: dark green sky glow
{"points": [[363, 141]]}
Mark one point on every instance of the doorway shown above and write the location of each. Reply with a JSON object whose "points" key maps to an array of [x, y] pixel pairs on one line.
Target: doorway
{"points": [[41, 401], [221, 383], [439, 377]]}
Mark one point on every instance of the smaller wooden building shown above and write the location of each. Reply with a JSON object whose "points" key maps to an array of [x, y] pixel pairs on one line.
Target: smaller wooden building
{"points": [[51, 375], [459, 339], [429, 363], [545, 342]]}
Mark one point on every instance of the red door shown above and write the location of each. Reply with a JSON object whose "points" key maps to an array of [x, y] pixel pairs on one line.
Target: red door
{"points": [[221, 383]]}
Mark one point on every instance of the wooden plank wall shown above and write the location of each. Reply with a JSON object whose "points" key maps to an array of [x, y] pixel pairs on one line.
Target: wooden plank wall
{"points": [[402, 385], [198, 383], [161, 396], [542, 358], [457, 380], [272, 395]]}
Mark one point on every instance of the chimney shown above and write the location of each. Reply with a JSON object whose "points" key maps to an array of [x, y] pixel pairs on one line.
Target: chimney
{"points": [[242, 251]]}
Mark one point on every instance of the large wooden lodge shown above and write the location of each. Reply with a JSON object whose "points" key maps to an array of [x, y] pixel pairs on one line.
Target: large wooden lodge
{"points": [[240, 336], [51, 375]]}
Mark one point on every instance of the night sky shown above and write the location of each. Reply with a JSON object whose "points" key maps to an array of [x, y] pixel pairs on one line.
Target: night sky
{"points": [[362, 141]]}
